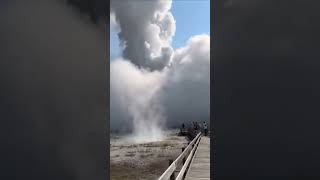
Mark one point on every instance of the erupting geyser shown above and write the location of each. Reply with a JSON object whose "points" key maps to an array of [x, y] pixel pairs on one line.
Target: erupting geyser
{"points": [[136, 91], [152, 85]]}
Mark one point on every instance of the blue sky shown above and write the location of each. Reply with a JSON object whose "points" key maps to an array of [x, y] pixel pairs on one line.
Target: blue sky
{"points": [[192, 18]]}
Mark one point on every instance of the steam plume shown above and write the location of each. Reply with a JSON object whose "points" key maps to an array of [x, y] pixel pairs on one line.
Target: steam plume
{"points": [[153, 86], [146, 31]]}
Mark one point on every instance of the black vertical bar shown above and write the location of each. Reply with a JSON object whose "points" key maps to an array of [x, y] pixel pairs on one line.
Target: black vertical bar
{"points": [[172, 175], [184, 158]]}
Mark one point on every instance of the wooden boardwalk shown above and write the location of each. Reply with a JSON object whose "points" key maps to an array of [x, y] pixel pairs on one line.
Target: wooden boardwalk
{"points": [[200, 166]]}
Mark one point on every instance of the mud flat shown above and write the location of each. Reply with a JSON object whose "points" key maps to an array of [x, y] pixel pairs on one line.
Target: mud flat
{"points": [[143, 161]]}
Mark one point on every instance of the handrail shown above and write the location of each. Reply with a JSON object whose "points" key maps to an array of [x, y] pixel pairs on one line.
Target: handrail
{"points": [[188, 161], [166, 175]]}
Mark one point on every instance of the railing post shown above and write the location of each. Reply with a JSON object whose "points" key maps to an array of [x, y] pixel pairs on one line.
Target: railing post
{"points": [[172, 175], [184, 158]]}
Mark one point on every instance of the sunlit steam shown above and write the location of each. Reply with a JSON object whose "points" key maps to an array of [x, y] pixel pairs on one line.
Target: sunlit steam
{"points": [[137, 92], [151, 77]]}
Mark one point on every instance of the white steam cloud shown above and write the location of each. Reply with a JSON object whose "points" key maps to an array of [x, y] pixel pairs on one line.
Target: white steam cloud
{"points": [[136, 91], [147, 28], [153, 86]]}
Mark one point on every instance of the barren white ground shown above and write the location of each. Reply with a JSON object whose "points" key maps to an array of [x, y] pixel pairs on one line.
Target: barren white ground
{"points": [[143, 161]]}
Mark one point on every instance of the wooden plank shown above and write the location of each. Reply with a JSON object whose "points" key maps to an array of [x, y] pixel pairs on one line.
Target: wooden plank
{"points": [[200, 166], [186, 164], [166, 175]]}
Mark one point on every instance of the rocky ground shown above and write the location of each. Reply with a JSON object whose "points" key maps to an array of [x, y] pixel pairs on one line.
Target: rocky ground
{"points": [[143, 161]]}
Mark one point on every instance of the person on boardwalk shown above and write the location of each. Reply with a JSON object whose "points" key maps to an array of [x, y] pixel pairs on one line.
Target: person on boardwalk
{"points": [[196, 126], [205, 127]]}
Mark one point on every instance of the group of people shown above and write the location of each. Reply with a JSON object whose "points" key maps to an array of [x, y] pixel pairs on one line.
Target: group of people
{"points": [[196, 127]]}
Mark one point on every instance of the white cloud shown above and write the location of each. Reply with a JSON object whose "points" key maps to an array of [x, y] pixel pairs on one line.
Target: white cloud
{"points": [[113, 22]]}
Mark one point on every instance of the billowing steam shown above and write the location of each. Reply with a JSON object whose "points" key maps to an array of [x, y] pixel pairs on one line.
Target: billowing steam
{"points": [[136, 90], [153, 86], [147, 28]]}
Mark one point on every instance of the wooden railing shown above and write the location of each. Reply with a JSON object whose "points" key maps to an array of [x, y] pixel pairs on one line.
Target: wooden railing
{"points": [[188, 162], [181, 161]]}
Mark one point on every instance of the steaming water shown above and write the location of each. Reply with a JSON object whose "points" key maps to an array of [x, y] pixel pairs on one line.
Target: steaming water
{"points": [[140, 138], [137, 93], [145, 137]]}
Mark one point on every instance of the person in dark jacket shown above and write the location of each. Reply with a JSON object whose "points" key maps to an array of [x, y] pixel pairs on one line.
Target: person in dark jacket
{"points": [[205, 128]]}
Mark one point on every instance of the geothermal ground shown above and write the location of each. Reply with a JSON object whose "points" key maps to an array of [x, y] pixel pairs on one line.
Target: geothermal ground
{"points": [[143, 161]]}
